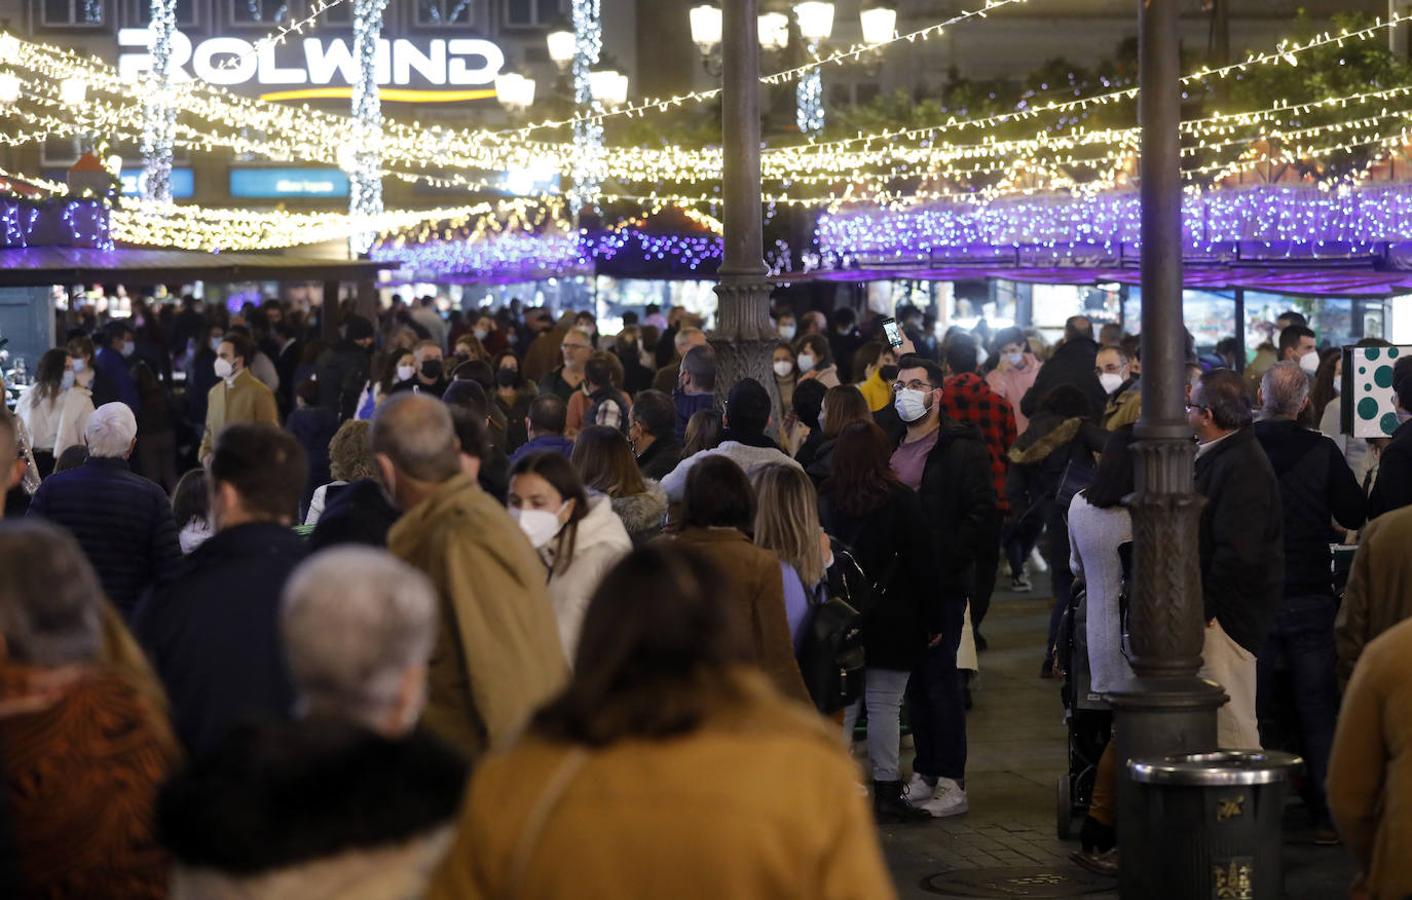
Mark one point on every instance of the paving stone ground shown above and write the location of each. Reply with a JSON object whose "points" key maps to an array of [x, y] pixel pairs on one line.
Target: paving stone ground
{"points": [[1016, 755]]}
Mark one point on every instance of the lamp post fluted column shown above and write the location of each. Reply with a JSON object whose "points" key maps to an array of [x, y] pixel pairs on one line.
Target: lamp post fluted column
{"points": [[1167, 709], [743, 337]]}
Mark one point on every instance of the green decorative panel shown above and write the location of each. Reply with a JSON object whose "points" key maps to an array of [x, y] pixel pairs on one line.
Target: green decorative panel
{"points": [[1370, 409]]}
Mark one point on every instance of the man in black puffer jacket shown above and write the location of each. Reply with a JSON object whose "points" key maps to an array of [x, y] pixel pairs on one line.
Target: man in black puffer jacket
{"points": [[948, 465], [1242, 548], [1316, 487], [1071, 364], [122, 521]]}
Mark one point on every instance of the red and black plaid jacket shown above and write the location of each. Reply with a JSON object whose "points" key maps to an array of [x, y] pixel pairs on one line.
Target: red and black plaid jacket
{"points": [[967, 398]]}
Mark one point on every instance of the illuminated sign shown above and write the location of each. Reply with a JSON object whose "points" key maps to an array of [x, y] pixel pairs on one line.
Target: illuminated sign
{"points": [[439, 66], [275, 183], [183, 183]]}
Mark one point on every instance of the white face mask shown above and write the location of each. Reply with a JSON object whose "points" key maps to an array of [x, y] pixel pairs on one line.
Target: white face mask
{"points": [[405, 372], [224, 368], [68, 380], [80, 365], [1016, 359], [806, 362], [480, 334], [127, 349], [789, 331], [539, 525], [1111, 381], [910, 405], [1309, 362], [783, 367], [216, 344]]}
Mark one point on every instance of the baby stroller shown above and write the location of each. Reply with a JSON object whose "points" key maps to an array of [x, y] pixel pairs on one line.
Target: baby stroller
{"points": [[1088, 719]]}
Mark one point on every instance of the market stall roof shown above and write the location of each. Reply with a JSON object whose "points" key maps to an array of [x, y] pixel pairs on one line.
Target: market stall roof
{"points": [[42, 266]]}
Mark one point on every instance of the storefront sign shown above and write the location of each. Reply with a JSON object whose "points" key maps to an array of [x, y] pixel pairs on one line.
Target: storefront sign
{"points": [[423, 62], [276, 183], [183, 183]]}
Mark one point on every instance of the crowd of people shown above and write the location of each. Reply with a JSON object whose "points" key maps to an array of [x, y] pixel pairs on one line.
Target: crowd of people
{"points": [[460, 595]]}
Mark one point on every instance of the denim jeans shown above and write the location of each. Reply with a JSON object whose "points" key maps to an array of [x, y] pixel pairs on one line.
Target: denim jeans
{"points": [[1019, 538], [882, 692], [1304, 635], [936, 707]]}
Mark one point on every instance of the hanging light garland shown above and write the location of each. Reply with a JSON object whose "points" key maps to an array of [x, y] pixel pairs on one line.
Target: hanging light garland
{"points": [[588, 132], [159, 125], [365, 172]]}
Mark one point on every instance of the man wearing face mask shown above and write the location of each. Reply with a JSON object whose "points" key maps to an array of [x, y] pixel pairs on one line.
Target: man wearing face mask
{"points": [[1298, 344], [948, 465], [212, 632], [429, 371], [1114, 372], [117, 346], [498, 655], [238, 396]]}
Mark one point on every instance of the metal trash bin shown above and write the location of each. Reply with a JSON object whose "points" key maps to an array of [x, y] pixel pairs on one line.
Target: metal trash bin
{"points": [[1221, 814]]}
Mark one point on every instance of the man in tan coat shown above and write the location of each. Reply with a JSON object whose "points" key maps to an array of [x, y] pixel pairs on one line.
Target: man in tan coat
{"points": [[1379, 592], [239, 396], [1371, 767], [497, 656]]}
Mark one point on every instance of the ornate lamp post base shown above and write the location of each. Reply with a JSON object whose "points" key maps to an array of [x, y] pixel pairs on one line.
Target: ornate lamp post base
{"points": [[743, 339]]}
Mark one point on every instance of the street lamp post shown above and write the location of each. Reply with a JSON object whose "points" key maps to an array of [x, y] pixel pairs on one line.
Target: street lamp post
{"points": [[743, 337], [1167, 709]]}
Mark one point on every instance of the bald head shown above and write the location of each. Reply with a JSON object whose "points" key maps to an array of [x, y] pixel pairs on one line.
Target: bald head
{"points": [[1284, 391], [415, 434]]}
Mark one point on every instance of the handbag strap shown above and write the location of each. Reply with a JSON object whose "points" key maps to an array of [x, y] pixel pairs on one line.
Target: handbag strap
{"points": [[554, 790]]}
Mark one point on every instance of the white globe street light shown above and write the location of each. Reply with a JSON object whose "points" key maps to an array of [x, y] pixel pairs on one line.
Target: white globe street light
{"points": [[774, 30], [879, 24], [706, 27], [815, 20], [608, 87], [514, 91], [562, 45]]}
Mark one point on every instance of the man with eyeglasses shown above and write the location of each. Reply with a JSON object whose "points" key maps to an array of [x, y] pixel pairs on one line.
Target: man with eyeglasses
{"points": [[563, 381], [1242, 548], [947, 463]]}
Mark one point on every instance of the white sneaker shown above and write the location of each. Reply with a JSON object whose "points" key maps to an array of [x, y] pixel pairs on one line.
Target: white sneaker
{"points": [[1037, 563], [949, 799], [917, 791]]}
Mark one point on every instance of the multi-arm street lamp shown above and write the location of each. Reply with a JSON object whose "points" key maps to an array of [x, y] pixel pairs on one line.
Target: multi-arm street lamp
{"points": [[815, 21]]}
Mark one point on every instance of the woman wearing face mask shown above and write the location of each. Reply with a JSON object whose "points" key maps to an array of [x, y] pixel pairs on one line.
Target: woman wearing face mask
{"points": [[76, 408], [513, 395], [578, 537], [786, 376], [40, 406], [393, 367], [1016, 369], [815, 360]]}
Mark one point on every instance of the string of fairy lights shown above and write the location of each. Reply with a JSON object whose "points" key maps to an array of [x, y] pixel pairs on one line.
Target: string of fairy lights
{"points": [[65, 94]]}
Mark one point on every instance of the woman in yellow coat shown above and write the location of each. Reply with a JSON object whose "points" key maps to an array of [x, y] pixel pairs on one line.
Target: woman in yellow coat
{"points": [[657, 772]]}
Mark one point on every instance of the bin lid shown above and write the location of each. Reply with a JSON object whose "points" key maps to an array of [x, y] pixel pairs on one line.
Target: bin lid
{"points": [[1224, 767]]}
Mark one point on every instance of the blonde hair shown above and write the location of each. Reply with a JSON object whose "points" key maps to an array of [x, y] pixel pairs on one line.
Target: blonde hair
{"points": [[787, 520]]}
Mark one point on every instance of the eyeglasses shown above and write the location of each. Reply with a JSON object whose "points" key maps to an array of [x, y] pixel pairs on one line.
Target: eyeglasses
{"points": [[916, 384], [577, 347], [1197, 406]]}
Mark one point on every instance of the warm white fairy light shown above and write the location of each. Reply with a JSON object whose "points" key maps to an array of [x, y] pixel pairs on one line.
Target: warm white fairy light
{"points": [[586, 169], [159, 125]]}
